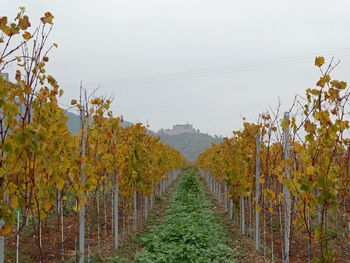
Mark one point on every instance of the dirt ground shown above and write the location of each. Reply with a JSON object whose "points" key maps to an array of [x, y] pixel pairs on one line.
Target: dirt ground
{"points": [[245, 245], [298, 249], [129, 241], [131, 244]]}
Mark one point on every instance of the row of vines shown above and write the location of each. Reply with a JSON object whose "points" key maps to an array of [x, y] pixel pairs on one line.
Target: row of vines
{"points": [[286, 178], [67, 195]]}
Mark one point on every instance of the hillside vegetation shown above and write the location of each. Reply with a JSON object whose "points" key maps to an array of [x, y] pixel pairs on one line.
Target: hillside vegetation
{"points": [[190, 144]]}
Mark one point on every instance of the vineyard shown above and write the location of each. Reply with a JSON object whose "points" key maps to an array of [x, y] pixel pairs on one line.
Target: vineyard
{"points": [[284, 179], [66, 196]]}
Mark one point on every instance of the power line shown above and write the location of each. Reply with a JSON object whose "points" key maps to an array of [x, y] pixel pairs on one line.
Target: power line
{"points": [[219, 70], [229, 67], [208, 74]]}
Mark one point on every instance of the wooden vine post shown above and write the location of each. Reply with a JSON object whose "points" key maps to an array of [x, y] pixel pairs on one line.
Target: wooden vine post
{"points": [[82, 176], [242, 215], [287, 211], [2, 238], [135, 210], [257, 192], [115, 210]]}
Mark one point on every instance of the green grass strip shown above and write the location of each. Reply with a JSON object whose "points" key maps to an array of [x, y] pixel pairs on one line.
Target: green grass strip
{"points": [[191, 231]]}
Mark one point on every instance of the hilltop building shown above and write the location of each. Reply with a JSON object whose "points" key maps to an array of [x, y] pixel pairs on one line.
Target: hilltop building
{"points": [[179, 129]]}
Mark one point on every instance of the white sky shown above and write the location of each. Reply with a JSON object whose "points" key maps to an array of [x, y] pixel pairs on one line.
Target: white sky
{"points": [[101, 42]]}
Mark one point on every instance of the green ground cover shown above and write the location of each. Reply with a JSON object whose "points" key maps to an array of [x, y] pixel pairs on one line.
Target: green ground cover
{"points": [[191, 232]]}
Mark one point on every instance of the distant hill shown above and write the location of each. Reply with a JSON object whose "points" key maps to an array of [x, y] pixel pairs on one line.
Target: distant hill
{"points": [[190, 144], [73, 123]]}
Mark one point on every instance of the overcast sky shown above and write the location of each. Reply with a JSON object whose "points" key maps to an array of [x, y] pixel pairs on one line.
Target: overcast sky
{"points": [[106, 41]]}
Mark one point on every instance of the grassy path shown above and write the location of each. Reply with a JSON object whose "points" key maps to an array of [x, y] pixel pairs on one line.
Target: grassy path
{"points": [[191, 232]]}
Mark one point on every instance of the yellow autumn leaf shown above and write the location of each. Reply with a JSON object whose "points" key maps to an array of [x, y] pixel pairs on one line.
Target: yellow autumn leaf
{"points": [[6, 229], [317, 232], [42, 214], [14, 202], [280, 178], [284, 123], [319, 61], [310, 170], [47, 18], [60, 183], [24, 23], [47, 205], [3, 23], [83, 200], [281, 197]]}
